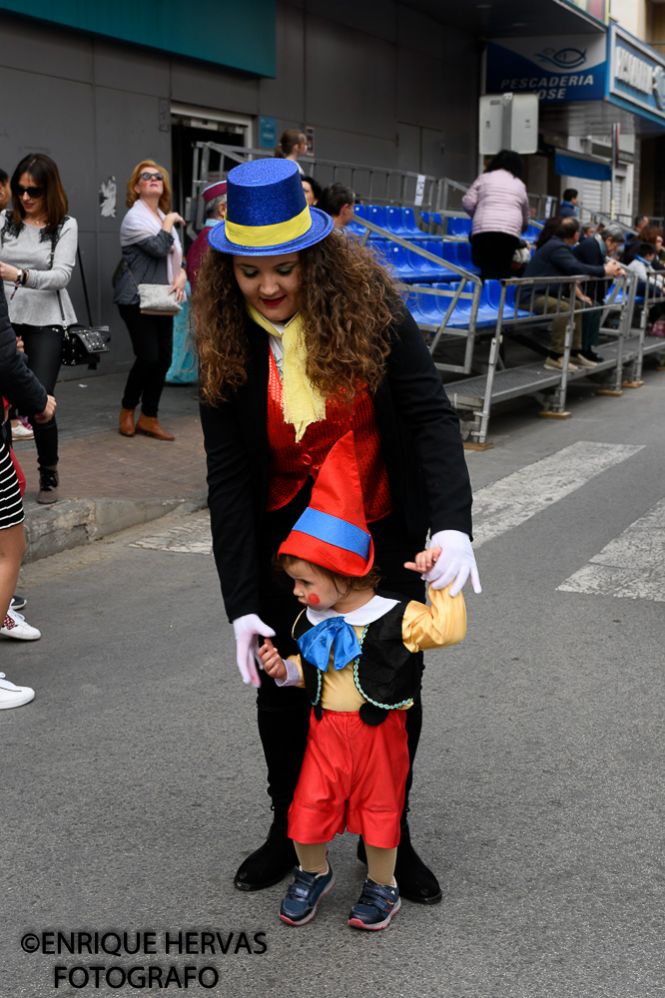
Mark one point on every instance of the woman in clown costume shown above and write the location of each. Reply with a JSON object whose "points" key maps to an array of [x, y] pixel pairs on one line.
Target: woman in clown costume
{"points": [[302, 337]]}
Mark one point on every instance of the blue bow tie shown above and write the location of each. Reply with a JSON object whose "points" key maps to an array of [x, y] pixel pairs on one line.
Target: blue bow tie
{"points": [[335, 633]]}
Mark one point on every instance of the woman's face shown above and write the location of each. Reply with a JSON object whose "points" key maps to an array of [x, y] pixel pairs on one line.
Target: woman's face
{"points": [[150, 183], [309, 193], [31, 196], [270, 283]]}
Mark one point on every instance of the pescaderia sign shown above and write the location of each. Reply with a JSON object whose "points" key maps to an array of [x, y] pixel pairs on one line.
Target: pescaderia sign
{"points": [[637, 74], [559, 68]]}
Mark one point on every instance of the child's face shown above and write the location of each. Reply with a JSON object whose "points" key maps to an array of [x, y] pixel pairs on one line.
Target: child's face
{"points": [[311, 587]]}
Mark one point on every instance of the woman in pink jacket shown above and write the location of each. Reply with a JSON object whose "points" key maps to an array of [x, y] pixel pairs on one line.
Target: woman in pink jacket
{"points": [[498, 204]]}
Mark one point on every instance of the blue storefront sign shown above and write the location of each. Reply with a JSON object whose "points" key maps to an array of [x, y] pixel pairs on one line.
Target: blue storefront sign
{"points": [[267, 132], [637, 75], [560, 68]]}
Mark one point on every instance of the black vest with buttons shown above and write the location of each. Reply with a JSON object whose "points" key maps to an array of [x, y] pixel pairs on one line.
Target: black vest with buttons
{"points": [[386, 674]]}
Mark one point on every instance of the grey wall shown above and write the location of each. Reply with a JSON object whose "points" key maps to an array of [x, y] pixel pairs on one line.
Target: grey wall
{"points": [[396, 90]]}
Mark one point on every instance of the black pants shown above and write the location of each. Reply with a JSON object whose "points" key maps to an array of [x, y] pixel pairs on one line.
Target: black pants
{"points": [[43, 349], [283, 713], [152, 341], [493, 253]]}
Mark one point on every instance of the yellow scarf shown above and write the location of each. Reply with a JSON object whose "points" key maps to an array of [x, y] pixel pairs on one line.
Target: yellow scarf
{"points": [[302, 403]]}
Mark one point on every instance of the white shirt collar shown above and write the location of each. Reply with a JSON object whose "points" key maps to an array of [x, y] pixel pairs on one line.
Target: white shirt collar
{"points": [[377, 607]]}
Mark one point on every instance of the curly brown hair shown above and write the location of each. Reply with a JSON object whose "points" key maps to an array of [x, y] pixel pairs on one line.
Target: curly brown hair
{"points": [[348, 303]]}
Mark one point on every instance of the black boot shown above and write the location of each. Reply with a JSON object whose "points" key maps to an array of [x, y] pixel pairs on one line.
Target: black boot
{"points": [[416, 881], [271, 862]]}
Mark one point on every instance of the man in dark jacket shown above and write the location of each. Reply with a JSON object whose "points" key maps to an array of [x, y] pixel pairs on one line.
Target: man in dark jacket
{"points": [[597, 250], [556, 258]]}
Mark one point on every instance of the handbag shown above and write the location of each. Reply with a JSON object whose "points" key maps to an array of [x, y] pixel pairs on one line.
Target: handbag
{"points": [[157, 299], [82, 344]]}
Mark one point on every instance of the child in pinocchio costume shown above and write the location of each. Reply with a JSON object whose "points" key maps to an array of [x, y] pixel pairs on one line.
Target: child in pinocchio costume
{"points": [[356, 663]]}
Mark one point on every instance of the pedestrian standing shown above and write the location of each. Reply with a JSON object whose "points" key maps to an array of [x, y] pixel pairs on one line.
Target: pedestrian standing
{"points": [[499, 206], [151, 254], [38, 241]]}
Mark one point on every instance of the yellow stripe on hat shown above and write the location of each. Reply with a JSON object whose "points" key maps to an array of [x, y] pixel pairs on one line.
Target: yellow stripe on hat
{"points": [[269, 235]]}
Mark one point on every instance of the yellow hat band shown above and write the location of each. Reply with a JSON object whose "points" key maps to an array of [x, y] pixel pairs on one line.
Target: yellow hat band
{"points": [[269, 235]]}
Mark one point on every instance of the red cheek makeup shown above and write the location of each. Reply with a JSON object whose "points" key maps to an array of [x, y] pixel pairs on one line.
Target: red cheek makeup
{"points": [[313, 599]]}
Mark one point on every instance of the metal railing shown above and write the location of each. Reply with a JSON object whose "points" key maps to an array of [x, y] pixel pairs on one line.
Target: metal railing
{"points": [[527, 303]]}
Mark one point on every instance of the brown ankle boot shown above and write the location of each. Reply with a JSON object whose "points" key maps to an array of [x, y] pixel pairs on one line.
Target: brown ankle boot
{"points": [[149, 427], [126, 423]]}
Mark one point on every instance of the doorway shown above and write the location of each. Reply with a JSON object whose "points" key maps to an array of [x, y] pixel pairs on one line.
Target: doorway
{"points": [[190, 125]]}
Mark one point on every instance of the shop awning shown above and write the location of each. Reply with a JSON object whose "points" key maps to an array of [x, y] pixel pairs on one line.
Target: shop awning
{"points": [[567, 164]]}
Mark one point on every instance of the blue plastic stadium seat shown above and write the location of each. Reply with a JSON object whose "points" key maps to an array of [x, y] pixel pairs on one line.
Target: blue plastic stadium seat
{"points": [[459, 226]]}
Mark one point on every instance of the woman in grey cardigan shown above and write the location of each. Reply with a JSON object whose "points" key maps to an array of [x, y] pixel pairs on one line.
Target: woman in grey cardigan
{"points": [[151, 254], [38, 242]]}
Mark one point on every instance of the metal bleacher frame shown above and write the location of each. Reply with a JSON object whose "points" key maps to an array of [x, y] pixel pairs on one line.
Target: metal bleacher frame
{"points": [[639, 344], [475, 397]]}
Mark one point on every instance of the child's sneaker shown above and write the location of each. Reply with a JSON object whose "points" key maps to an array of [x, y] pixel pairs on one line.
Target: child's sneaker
{"points": [[376, 907], [303, 896]]}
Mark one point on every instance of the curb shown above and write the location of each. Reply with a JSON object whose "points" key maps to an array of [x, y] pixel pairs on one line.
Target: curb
{"points": [[71, 523]]}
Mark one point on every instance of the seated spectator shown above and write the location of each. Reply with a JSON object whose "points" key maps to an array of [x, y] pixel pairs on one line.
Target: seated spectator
{"points": [[653, 235], [597, 250], [568, 207], [214, 197], [649, 282], [338, 201], [498, 203], [642, 265], [312, 190], [555, 258]]}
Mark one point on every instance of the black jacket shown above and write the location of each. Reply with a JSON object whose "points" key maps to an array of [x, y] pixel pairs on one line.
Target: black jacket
{"points": [[17, 382], [420, 442], [556, 259], [387, 674], [592, 251]]}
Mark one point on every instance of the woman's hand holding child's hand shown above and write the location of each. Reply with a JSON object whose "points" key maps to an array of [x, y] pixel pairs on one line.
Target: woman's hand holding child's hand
{"points": [[271, 660], [424, 561]]}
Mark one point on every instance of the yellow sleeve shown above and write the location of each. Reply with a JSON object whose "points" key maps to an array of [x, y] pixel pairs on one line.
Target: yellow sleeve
{"points": [[442, 623]]}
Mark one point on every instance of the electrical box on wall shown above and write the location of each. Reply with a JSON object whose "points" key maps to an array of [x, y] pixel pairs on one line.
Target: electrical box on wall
{"points": [[508, 121]]}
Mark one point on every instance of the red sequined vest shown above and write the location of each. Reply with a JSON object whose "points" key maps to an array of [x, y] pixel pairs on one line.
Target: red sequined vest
{"points": [[292, 463]]}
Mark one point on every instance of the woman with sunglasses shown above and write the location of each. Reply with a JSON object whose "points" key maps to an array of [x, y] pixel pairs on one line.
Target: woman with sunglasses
{"points": [[151, 254], [38, 241], [303, 337]]}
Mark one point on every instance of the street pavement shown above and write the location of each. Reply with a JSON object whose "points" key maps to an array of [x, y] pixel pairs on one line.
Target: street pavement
{"points": [[133, 784]]}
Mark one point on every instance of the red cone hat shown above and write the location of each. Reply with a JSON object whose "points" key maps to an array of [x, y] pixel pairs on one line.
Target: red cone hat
{"points": [[332, 532]]}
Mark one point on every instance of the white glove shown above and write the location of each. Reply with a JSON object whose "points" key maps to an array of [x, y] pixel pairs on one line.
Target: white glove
{"points": [[456, 562], [247, 630]]}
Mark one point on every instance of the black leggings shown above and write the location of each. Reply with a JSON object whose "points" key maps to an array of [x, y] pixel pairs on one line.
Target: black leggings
{"points": [[152, 340], [493, 252], [283, 713], [43, 349]]}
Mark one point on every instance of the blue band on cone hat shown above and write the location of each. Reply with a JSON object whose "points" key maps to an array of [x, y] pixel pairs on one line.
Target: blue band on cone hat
{"points": [[266, 212], [332, 532]]}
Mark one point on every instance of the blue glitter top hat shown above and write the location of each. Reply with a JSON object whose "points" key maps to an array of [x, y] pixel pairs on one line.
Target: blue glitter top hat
{"points": [[266, 212]]}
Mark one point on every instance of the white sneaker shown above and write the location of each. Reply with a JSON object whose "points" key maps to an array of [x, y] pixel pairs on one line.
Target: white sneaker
{"points": [[16, 626], [581, 361], [21, 432], [556, 364], [13, 696]]}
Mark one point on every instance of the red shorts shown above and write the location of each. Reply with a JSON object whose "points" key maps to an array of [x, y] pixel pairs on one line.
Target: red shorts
{"points": [[353, 777]]}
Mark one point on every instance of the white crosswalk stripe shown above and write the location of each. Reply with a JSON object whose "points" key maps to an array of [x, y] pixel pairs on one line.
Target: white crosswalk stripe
{"points": [[630, 566], [497, 508], [512, 500]]}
